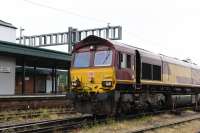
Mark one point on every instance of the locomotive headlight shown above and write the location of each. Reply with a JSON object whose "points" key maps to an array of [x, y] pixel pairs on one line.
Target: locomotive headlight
{"points": [[107, 83], [76, 83]]}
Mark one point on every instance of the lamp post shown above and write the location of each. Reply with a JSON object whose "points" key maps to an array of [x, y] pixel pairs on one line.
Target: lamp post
{"points": [[20, 36]]}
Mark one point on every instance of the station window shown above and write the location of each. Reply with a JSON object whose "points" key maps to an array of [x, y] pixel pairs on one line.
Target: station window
{"points": [[156, 72], [146, 71]]}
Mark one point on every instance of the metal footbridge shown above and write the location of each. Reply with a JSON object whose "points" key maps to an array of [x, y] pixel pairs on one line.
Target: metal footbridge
{"points": [[70, 37]]}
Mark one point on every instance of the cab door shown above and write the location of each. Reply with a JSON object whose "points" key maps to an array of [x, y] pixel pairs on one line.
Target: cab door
{"points": [[138, 66], [125, 62]]}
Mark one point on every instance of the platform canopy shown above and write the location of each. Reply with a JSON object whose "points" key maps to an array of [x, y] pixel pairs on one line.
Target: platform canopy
{"points": [[32, 56]]}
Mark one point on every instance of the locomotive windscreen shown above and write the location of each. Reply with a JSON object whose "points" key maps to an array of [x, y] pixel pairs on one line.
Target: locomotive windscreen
{"points": [[98, 58], [103, 58], [82, 59]]}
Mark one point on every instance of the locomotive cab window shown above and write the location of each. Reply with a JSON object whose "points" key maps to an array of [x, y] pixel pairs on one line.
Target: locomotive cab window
{"points": [[128, 62], [103, 58], [82, 59], [124, 60], [120, 59]]}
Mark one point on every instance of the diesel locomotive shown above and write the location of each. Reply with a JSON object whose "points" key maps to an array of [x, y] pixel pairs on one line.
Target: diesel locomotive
{"points": [[108, 77]]}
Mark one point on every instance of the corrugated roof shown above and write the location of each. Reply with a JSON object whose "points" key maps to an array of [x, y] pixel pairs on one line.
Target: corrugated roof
{"points": [[38, 57], [16, 49], [6, 24]]}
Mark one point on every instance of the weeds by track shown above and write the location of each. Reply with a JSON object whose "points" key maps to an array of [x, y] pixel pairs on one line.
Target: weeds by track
{"points": [[48, 126], [78, 122], [32, 114], [168, 124]]}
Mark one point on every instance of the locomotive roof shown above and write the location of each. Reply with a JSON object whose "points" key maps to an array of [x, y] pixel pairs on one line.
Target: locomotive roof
{"points": [[120, 46], [117, 45], [131, 49]]}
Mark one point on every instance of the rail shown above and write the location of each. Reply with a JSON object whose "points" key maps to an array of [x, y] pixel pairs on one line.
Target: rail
{"points": [[78, 122], [33, 114], [151, 128], [46, 126]]}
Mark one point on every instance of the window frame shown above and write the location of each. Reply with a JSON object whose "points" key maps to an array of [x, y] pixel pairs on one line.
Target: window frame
{"points": [[128, 62], [74, 58], [94, 54], [121, 60]]}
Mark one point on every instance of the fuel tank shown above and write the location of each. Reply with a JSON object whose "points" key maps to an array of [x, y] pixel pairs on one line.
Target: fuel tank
{"points": [[183, 100]]}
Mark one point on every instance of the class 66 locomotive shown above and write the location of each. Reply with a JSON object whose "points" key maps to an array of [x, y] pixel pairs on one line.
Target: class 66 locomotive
{"points": [[108, 77]]}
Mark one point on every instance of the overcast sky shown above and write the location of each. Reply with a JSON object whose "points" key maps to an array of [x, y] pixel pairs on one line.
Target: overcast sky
{"points": [[170, 27]]}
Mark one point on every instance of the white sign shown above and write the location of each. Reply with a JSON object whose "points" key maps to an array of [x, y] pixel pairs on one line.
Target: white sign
{"points": [[5, 69], [27, 78]]}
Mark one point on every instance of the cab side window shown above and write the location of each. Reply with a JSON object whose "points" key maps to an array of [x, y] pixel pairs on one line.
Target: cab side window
{"points": [[120, 60], [124, 60], [128, 62]]}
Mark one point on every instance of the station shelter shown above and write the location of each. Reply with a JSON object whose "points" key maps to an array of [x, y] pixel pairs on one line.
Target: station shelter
{"points": [[29, 70]]}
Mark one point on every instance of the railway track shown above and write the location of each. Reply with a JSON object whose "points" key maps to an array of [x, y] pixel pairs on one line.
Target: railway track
{"points": [[32, 114], [167, 124], [48, 126], [71, 124]]}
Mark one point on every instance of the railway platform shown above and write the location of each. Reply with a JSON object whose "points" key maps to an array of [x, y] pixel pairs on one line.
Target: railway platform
{"points": [[25, 102]]}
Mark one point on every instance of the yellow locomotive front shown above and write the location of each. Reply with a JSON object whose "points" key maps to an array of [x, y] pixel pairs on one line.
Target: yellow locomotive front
{"points": [[92, 69], [93, 76]]}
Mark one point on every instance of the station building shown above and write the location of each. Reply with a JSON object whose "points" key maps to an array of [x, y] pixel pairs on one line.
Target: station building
{"points": [[26, 70]]}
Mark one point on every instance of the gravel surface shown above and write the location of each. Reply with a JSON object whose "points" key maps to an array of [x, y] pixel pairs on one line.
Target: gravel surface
{"points": [[188, 127], [22, 121], [142, 122], [45, 115]]}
